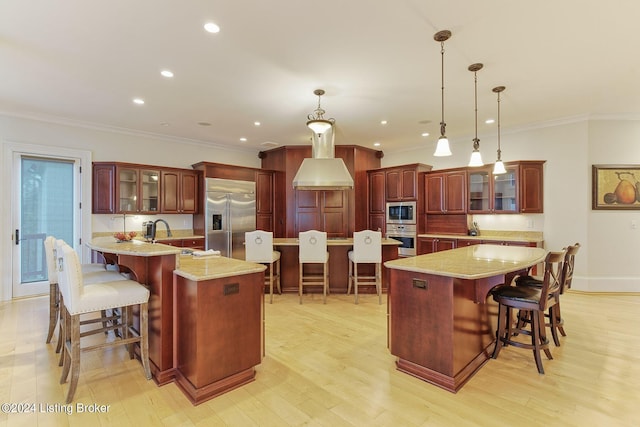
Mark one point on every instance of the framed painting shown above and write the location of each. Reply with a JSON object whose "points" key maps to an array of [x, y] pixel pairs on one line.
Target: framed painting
{"points": [[616, 187]]}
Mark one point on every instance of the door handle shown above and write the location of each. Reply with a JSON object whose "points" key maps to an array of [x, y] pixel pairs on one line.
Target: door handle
{"points": [[17, 237]]}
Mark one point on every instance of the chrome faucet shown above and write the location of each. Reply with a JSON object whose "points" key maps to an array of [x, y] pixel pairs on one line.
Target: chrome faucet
{"points": [[153, 228]]}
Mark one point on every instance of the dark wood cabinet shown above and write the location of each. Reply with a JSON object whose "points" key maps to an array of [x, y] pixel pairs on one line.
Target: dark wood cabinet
{"points": [[446, 192], [264, 200], [192, 243], [401, 183], [179, 191], [520, 190], [143, 189], [428, 245], [322, 210]]}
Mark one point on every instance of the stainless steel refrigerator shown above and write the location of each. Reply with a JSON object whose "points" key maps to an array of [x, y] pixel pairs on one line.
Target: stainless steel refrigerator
{"points": [[230, 212]]}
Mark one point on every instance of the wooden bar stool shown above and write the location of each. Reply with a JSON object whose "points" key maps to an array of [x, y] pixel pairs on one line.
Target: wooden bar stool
{"points": [[259, 249], [312, 249], [78, 299], [534, 302], [567, 278], [367, 249]]}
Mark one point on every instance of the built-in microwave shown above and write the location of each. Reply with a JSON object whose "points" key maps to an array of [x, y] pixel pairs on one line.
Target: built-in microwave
{"points": [[401, 212]]}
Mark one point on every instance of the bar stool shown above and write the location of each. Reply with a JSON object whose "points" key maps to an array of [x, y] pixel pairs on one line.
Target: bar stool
{"points": [[567, 278], [367, 249], [535, 302], [259, 249], [312, 249], [93, 273], [78, 299]]}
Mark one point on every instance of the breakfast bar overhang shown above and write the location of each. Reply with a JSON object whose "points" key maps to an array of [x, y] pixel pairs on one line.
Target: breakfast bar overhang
{"points": [[441, 325]]}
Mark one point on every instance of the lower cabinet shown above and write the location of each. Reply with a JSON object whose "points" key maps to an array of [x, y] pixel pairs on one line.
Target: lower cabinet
{"points": [[428, 245], [196, 243]]}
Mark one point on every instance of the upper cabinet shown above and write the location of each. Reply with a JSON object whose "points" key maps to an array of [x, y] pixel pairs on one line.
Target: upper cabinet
{"points": [[520, 190], [141, 189], [401, 183], [446, 192], [179, 191], [264, 200]]}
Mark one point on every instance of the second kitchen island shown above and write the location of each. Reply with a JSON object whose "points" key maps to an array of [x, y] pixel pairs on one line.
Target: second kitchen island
{"points": [[441, 324]]}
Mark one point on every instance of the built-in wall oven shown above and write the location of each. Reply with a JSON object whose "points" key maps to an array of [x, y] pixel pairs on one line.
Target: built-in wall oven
{"points": [[405, 234], [401, 225]]}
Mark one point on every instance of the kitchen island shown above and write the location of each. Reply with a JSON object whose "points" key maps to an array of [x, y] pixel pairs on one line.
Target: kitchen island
{"points": [[205, 314], [338, 263], [441, 323], [219, 324]]}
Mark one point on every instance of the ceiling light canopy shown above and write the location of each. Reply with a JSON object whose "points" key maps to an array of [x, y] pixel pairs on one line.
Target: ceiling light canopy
{"points": [[442, 149], [498, 167], [317, 123], [476, 157]]}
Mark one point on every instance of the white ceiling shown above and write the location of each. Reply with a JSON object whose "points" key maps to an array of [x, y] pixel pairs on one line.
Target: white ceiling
{"points": [[80, 61]]}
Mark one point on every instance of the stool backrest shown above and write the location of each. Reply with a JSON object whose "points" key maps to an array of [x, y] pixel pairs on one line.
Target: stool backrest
{"points": [[569, 261], [258, 246], [552, 283], [69, 275], [50, 256], [312, 246], [367, 246]]}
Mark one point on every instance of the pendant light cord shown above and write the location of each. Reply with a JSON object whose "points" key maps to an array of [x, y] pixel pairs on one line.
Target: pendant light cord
{"points": [[499, 152], [442, 123], [476, 141]]}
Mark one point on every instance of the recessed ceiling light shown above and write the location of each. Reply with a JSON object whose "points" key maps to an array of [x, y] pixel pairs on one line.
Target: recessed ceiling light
{"points": [[164, 124], [204, 123], [376, 144], [383, 122], [257, 123], [138, 101], [489, 121], [211, 27], [425, 134], [243, 139], [166, 73]]}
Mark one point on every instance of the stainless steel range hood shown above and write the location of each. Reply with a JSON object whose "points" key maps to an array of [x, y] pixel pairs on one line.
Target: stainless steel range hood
{"points": [[323, 171]]}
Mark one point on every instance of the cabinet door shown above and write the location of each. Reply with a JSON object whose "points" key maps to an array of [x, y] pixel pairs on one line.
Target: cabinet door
{"points": [[409, 187], [480, 196], [149, 191], [393, 185], [104, 189], [505, 191], [426, 245], [170, 191], [444, 244], [127, 187], [461, 243], [264, 192], [531, 188], [377, 200], [434, 189], [377, 222], [188, 201], [455, 186]]}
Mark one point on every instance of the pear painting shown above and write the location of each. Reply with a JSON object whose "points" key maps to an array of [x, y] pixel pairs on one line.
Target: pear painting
{"points": [[617, 188]]}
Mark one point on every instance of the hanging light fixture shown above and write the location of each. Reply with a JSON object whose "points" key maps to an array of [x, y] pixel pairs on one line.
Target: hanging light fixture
{"points": [[317, 123], [442, 148], [476, 157], [498, 167]]}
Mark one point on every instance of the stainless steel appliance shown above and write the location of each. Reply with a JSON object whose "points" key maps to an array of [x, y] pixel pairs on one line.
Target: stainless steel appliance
{"points": [[407, 235], [230, 211], [401, 212]]}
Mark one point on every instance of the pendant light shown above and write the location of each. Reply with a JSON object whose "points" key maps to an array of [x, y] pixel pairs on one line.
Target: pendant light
{"points": [[317, 123], [498, 167], [442, 148], [476, 157]]}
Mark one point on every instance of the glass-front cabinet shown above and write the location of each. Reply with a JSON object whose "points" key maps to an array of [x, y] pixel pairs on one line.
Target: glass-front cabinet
{"points": [[490, 193], [137, 190], [520, 190]]}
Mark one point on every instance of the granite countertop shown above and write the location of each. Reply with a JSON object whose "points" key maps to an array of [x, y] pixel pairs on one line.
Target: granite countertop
{"points": [[214, 267], [346, 241], [497, 236], [472, 262], [132, 247]]}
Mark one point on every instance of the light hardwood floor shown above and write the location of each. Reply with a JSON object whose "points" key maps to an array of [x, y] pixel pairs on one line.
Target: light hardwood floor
{"points": [[328, 365]]}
